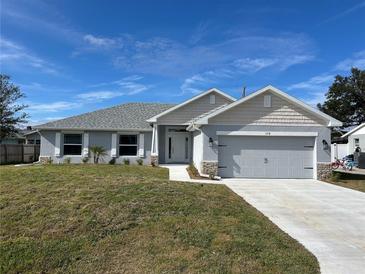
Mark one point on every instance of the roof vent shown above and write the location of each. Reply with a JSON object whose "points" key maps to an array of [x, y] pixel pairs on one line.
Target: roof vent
{"points": [[212, 99]]}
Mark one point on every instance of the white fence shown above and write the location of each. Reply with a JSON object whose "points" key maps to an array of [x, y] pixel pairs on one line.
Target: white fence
{"points": [[338, 151]]}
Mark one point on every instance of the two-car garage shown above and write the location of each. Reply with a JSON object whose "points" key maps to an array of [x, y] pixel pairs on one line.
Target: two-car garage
{"points": [[266, 155]]}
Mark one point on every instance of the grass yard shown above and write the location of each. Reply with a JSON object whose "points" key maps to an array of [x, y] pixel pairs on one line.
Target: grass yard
{"points": [[356, 182], [130, 219]]}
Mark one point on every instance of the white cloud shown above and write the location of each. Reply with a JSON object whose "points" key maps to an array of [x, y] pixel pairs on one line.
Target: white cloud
{"points": [[252, 65], [167, 57], [190, 85], [130, 85], [99, 95], [346, 12], [15, 55], [358, 60], [102, 42], [320, 82], [125, 86], [52, 107], [313, 98]]}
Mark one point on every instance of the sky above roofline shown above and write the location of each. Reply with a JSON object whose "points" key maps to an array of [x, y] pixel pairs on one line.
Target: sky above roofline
{"points": [[71, 57]]}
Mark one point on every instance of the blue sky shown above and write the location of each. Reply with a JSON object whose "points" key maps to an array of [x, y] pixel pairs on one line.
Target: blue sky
{"points": [[71, 57]]}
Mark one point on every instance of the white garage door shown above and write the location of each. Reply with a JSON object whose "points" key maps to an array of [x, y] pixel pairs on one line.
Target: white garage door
{"points": [[265, 157]]}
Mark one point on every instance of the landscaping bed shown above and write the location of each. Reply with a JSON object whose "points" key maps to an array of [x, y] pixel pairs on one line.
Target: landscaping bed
{"points": [[131, 219]]}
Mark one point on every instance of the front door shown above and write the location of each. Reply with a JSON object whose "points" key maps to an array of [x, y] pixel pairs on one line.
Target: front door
{"points": [[178, 147]]}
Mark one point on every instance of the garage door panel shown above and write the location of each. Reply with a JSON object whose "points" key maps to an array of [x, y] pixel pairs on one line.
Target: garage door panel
{"points": [[266, 157]]}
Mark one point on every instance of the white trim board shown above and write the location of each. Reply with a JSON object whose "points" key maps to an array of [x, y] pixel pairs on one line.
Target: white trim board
{"points": [[353, 130], [268, 133], [332, 122], [154, 118]]}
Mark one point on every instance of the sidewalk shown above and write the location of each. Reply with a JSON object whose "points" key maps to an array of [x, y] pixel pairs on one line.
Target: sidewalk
{"points": [[178, 172]]}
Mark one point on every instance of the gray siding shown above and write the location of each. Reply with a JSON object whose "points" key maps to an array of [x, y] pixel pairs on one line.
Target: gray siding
{"points": [[100, 138], [211, 153], [253, 112], [192, 110], [47, 143]]}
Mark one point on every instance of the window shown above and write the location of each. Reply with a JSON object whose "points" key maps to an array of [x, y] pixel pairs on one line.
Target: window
{"points": [[37, 142], [30, 142], [357, 142], [72, 144], [186, 147], [128, 145], [212, 99], [267, 101]]}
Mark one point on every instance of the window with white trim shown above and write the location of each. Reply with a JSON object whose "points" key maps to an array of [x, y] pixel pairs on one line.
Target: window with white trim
{"points": [[72, 144], [128, 145], [357, 142]]}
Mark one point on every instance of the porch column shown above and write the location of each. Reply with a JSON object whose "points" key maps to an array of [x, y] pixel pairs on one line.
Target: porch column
{"points": [[154, 147]]}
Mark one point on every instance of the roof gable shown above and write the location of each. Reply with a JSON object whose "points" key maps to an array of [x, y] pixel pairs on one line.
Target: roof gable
{"points": [[331, 121], [191, 100]]}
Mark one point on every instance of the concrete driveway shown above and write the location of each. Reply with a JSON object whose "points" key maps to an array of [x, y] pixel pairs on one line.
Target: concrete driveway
{"points": [[328, 220]]}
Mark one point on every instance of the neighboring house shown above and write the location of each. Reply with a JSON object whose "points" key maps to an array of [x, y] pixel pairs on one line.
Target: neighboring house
{"points": [[356, 138], [13, 139], [32, 136], [267, 134]]}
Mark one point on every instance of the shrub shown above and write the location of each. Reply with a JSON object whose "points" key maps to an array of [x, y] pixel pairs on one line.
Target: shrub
{"points": [[335, 176], [126, 161], [85, 160], [140, 162], [112, 161], [49, 161], [67, 160], [98, 153], [194, 171]]}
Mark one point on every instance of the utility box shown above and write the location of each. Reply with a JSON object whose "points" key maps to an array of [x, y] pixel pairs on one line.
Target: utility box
{"points": [[361, 160]]}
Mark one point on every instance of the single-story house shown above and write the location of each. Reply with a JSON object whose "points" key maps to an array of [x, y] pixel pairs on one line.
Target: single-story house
{"points": [[15, 138], [267, 134], [31, 136], [356, 138]]}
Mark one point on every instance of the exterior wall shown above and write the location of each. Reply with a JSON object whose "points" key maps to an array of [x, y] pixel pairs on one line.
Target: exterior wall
{"points": [[197, 149], [211, 153], [351, 142], [12, 141], [192, 110], [34, 136], [253, 112], [100, 138]]}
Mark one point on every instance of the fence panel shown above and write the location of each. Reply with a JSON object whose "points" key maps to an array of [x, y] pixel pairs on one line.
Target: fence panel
{"points": [[18, 153]]}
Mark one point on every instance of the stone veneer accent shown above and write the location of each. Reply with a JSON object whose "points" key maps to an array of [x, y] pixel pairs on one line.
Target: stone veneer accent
{"points": [[154, 160], [324, 171], [210, 167], [44, 159]]}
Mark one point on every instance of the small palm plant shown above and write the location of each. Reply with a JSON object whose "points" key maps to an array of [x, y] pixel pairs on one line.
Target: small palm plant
{"points": [[98, 153]]}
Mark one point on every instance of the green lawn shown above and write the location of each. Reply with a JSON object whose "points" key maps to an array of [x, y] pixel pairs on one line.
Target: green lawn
{"points": [[130, 219], [356, 182]]}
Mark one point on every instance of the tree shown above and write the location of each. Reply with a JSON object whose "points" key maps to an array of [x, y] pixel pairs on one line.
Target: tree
{"points": [[11, 114], [345, 99], [98, 152]]}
